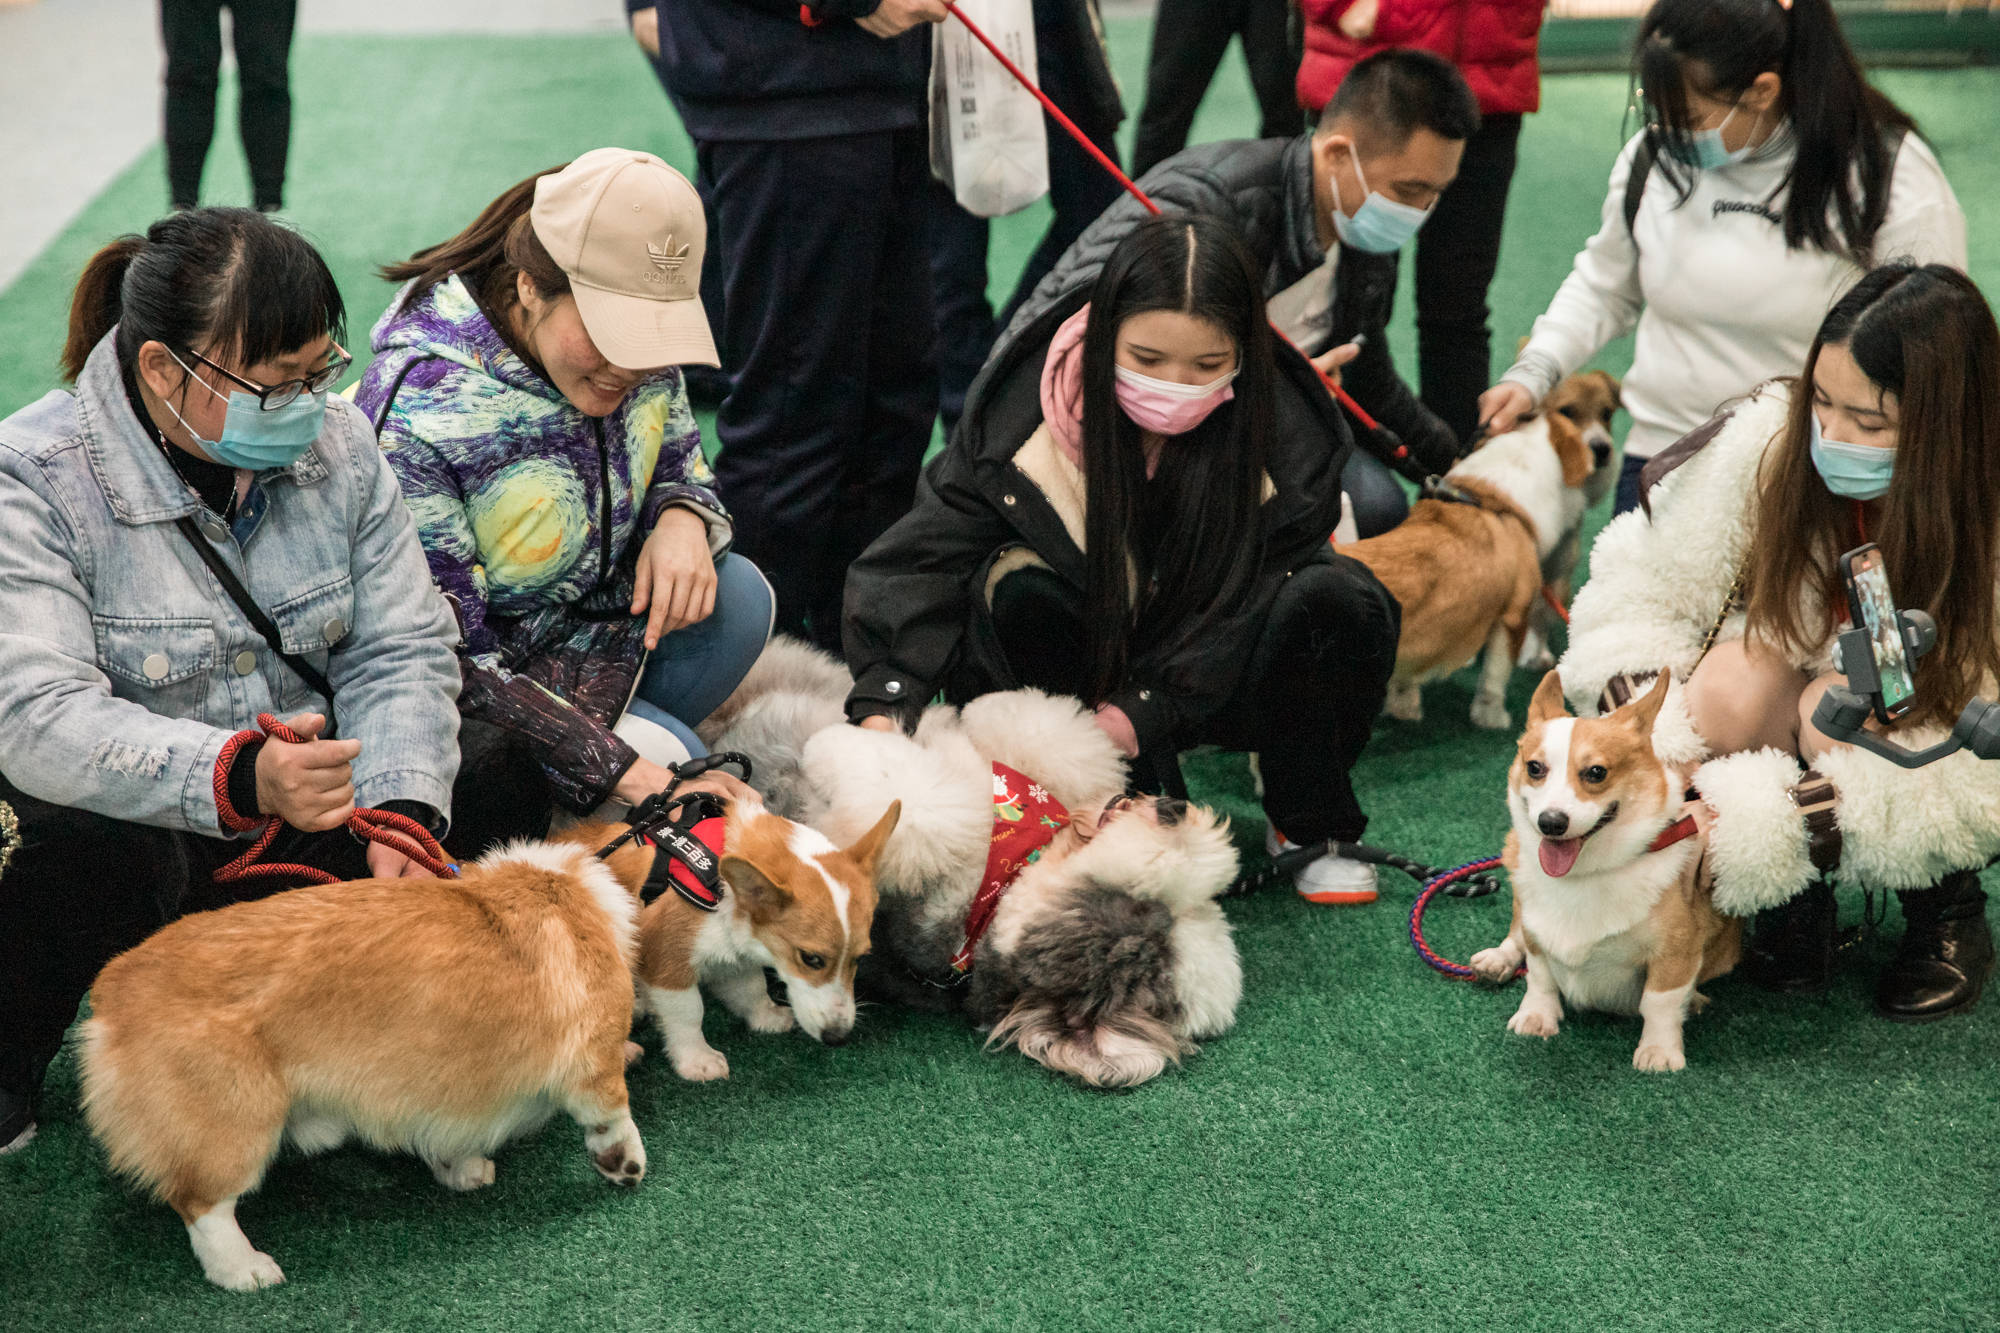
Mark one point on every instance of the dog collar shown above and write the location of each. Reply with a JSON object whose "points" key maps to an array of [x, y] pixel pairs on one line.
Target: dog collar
{"points": [[1026, 819], [1680, 830]]}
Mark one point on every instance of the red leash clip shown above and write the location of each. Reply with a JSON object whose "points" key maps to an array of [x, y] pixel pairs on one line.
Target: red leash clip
{"points": [[384, 827]]}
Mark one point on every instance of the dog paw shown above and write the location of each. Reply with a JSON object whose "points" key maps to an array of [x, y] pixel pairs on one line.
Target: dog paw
{"points": [[623, 1163], [1534, 1022], [1405, 703], [1659, 1059], [253, 1272], [634, 1053], [1491, 715], [1534, 654], [703, 1065], [1496, 964], [769, 1018], [468, 1173]]}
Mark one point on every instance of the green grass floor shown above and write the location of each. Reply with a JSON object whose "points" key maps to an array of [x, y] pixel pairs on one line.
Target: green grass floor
{"points": [[1369, 1149]]}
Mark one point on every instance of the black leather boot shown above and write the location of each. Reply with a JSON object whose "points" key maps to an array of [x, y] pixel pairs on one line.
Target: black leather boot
{"points": [[1946, 954], [1791, 946]]}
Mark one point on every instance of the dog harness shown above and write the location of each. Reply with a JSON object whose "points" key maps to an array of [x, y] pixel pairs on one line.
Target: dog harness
{"points": [[687, 831], [1026, 819], [1680, 830]]}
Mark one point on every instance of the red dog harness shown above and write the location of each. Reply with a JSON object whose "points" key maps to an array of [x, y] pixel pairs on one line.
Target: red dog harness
{"points": [[1026, 819], [1680, 830]]}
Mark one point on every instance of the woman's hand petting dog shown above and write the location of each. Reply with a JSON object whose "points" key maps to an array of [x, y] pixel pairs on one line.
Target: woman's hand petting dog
{"points": [[309, 785], [1502, 407], [676, 575]]}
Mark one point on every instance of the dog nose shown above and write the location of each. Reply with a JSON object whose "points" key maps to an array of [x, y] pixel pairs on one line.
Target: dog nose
{"points": [[1552, 823], [1600, 452], [1170, 811], [836, 1036]]}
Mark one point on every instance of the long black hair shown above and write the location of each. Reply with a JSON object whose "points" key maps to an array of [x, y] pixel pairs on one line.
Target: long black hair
{"points": [[1192, 533], [229, 282], [1839, 119]]}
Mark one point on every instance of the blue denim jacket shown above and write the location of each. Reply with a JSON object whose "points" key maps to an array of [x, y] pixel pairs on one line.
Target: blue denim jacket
{"points": [[125, 666]]}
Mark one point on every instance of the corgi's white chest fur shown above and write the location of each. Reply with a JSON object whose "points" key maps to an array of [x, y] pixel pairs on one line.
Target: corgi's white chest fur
{"points": [[1595, 929]]}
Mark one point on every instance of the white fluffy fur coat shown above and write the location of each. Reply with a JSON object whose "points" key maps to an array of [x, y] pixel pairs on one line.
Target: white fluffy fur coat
{"points": [[1656, 586]]}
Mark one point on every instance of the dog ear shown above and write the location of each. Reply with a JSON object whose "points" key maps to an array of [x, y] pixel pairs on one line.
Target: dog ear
{"points": [[1548, 704], [1568, 443], [1612, 388], [764, 895], [868, 847], [1642, 712]]}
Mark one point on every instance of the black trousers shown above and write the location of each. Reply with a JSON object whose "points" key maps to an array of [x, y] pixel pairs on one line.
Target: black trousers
{"points": [[84, 887], [1317, 671], [1079, 190], [1458, 251], [828, 339], [261, 34], [1189, 37]]}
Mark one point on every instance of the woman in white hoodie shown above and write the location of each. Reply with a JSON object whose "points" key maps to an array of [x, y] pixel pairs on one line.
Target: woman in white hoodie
{"points": [[1769, 177], [1730, 578]]}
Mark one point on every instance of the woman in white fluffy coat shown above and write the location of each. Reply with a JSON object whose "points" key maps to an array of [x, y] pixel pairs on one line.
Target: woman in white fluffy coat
{"points": [[1891, 435]]}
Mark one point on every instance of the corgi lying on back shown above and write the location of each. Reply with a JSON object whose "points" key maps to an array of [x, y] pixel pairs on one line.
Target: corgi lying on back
{"points": [[1613, 905]]}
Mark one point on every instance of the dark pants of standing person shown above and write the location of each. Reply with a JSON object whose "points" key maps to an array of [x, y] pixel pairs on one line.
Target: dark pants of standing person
{"points": [[1318, 671], [84, 887], [828, 339], [261, 34], [1458, 251], [1079, 190], [1189, 37]]}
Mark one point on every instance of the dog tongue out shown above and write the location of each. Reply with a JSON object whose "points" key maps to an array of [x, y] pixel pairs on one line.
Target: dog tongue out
{"points": [[1559, 855]]}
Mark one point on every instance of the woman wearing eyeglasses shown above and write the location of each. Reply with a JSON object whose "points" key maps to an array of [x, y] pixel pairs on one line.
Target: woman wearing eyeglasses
{"points": [[198, 440], [1768, 178]]}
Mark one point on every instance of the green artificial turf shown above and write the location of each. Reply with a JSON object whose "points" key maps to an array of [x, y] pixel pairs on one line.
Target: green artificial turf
{"points": [[1369, 1149]]}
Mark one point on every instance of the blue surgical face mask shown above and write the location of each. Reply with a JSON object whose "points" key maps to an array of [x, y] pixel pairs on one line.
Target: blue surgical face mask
{"points": [[1855, 471], [1706, 150], [1381, 225], [253, 438]]}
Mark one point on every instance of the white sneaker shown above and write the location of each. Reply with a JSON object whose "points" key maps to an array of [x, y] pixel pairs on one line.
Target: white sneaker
{"points": [[1332, 881]]}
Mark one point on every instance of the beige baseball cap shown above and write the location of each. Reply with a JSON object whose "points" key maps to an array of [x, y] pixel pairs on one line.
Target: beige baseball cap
{"points": [[628, 230]]}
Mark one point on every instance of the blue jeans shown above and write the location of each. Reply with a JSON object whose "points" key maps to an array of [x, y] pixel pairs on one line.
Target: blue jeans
{"points": [[695, 669], [1628, 485]]}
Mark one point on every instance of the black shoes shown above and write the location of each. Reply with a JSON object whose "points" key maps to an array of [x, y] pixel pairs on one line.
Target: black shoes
{"points": [[1946, 954], [1791, 947]]}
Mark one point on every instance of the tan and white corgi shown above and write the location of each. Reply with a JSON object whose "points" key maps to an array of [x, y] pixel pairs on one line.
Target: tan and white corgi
{"points": [[1613, 905], [791, 902], [438, 1017], [1468, 572]]}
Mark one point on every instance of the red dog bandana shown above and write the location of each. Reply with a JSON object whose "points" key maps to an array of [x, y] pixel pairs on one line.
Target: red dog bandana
{"points": [[1026, 819]]}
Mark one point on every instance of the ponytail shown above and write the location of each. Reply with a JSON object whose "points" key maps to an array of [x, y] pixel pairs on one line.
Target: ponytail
{"points": [[1838, 187], [229, 282], [99, 300], [500, 243]]}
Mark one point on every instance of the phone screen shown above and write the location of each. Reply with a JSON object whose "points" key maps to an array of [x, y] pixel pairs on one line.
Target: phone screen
{"points": [[1877, 609]]}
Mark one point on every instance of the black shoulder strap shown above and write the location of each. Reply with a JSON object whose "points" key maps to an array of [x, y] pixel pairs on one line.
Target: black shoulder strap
{"points": [[396, 387], [1635, 183], [247, 604]]}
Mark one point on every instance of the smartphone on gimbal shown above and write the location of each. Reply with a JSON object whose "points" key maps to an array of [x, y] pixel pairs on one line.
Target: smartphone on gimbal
{"points": [[1873, 608]]}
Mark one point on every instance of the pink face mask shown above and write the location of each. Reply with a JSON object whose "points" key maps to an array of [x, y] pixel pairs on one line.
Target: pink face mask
{"points": [[1167, 408]]}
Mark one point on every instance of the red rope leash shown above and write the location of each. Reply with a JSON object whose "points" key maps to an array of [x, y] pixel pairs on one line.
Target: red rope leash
{"points": [[1430, 891], [1555, 602], [384, 827], [1083, 141]]}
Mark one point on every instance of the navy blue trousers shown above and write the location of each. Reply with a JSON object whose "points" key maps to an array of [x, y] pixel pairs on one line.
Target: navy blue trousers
{"points": [[827, 334]]}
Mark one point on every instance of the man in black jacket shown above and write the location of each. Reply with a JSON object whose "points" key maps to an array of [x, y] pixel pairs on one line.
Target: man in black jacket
{"points": [[1385, 148], [808, 122]]}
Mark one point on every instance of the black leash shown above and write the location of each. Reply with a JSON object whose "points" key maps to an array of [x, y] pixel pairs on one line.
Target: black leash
{"points": [[1286, 864]]}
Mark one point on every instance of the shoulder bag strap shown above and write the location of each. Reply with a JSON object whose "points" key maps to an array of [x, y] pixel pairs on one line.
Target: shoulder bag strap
{"points": [[396, 387], [245, 603]]}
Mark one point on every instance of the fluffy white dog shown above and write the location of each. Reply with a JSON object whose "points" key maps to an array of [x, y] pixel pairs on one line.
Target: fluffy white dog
{"points": [[1106, 955]]}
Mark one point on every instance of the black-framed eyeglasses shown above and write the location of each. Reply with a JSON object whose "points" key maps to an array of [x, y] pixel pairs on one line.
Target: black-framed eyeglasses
{"points": [[272, 397]]}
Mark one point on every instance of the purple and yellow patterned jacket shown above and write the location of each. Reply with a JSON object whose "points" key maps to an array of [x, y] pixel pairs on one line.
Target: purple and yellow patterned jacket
{"points": [[531, 515]]}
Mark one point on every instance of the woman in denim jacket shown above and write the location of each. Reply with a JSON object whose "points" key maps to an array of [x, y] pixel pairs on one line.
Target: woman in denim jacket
{"points": [[201, 356]]}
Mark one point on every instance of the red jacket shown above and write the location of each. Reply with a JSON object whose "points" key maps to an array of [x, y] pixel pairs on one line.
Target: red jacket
{"points": [[1491, 41]]}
